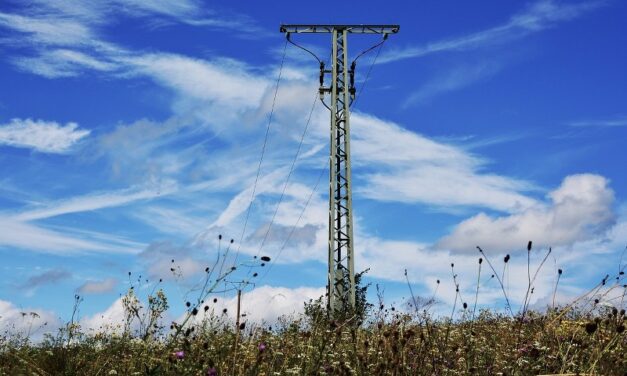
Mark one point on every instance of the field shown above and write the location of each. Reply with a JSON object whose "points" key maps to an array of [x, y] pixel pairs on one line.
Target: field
{"points": [[585, 337]]}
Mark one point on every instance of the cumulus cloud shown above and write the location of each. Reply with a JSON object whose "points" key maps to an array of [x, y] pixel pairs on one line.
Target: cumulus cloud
{"points": [[580, 209], [98, 287], [268, 303], [29, 322], [43, 136], [110, 320]]}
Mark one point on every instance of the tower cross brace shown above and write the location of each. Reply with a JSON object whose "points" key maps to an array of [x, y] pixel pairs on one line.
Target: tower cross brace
{"points": [[341, 257]]}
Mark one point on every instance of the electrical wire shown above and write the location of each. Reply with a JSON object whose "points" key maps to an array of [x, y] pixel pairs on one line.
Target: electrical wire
{"points": [[263, 150], [374, 61], [300, 216], [287, 180]]}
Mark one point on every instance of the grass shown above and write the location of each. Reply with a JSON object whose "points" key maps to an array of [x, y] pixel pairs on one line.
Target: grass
{"points": [[584, 337]]}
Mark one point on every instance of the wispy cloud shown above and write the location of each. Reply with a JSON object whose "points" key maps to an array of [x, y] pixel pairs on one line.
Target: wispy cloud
{"points": [[27, 236], [62, 63], [452, 80], [48, 30], [93, 202], [43, 136], [424, 171], [620, 121], [537, 17], [45, 278]]}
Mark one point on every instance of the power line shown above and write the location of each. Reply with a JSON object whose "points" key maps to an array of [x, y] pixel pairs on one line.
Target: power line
{"points": [[263, 150], [374, 61], [300, 144], [379, 46], [300, 216]]}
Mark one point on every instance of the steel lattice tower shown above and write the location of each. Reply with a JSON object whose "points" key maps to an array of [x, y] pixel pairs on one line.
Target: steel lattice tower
{"points": [[341, 270]]}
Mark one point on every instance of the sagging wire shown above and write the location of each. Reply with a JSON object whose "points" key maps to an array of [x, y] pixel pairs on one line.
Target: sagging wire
{"points": [[374, 61], [263, 150]]}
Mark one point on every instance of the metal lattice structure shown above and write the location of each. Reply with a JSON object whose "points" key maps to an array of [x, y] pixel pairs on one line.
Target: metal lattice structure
{"points": [[341, 270]]}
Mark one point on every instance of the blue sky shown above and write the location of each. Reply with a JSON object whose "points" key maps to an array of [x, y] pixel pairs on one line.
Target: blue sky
{"points": [[131, 133]]}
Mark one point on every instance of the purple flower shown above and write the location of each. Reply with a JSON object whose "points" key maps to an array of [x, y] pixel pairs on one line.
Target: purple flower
{"points": [[179, 354], [212, 372], [262, 347]]}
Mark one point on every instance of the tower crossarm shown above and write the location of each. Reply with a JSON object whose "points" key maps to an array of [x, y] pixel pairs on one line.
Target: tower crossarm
{"points": [[351, 29]]}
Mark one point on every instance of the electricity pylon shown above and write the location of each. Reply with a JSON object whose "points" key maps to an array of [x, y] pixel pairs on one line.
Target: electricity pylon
{"points": [[341, 272]]}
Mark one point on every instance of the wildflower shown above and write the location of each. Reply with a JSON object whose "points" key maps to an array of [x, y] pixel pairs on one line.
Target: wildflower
{"points": [[262, 347], [179, 355], [212, 372]]}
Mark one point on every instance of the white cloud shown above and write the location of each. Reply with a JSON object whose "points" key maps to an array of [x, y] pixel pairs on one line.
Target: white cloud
{"points": [[27, 322], [98, 287], [452, 80], [52, 31], [95, 201], [535, 18], [43, 136], [267, 303], [110, 320], [62, 63], [580, 209], [195, 78], [411, 168], [23, 235], [615, 122]]}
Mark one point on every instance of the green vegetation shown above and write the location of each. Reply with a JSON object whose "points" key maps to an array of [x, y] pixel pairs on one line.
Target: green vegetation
{"points": [[394, 344], [585, 337]]}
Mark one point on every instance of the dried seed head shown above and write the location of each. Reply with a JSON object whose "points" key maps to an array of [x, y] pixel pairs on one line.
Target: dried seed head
{"points": [[506, 259], [265, 258], [591, 327], [480, 260], [529, 246], [559, 271]]}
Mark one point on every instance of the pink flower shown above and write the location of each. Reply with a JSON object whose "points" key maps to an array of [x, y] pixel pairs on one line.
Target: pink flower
{"points": [[262, 347], [179, 354]]}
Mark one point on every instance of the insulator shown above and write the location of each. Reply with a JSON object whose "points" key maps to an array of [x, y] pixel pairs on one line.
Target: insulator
{"points": [[352, 74], [321, 73]]}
